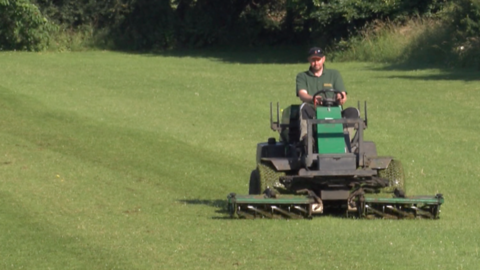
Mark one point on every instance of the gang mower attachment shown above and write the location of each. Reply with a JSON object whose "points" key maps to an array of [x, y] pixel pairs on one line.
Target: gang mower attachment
{"points": [[333, 170]]}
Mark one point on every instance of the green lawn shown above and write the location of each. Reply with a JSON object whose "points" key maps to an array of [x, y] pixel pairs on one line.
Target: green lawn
{"points": [[122, 161]]}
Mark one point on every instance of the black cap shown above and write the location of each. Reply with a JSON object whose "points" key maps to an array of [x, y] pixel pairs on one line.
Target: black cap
{"points": [[315, 52]]}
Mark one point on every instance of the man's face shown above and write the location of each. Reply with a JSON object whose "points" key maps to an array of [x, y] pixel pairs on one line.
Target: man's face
{"points": [[316, 63]]}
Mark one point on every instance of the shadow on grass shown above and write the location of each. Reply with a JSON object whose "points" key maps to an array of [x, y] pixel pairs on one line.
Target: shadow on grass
{"points": [[447, 73], [277, 55], [298, 54], [220, 205]]}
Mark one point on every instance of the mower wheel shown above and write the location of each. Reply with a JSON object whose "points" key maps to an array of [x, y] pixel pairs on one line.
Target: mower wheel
{"points": [[395, 175], [254, 184], [269, 177]]}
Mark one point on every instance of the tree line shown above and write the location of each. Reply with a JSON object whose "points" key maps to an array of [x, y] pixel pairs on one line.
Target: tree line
{"points": [[163, 24]]}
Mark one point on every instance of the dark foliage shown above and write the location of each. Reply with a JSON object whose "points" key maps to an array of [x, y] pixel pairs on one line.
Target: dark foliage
{"points": [[161, 24]]}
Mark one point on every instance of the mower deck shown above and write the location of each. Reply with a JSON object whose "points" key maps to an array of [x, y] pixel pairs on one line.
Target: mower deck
{"points": [[296, 207]]}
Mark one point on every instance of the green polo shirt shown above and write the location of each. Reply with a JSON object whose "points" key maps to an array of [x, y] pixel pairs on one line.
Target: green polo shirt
{"points": [[330, 79]]}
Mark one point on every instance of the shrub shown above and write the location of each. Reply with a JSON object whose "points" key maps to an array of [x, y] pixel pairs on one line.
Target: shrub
{"points": [[22, 26], [465, 23]]}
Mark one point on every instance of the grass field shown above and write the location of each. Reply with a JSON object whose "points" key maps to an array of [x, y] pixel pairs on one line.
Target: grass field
{"points": [[123, 161]]}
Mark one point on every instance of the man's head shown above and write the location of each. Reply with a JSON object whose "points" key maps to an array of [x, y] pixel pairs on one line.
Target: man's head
{"points": [[316, 59]]}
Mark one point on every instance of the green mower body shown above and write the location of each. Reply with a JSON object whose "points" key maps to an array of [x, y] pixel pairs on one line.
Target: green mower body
{"points": [[330, 137]]}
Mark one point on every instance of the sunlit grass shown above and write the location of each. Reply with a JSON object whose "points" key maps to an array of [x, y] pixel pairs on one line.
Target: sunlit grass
{"points": [[118, 161]]}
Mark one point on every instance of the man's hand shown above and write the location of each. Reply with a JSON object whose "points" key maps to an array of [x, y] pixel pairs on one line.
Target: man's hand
{"points": [[318, 100], [342, 100]]}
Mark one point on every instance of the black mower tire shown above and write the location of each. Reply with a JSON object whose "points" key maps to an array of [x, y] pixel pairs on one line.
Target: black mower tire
{"points": [[395, 175], [254, 184]]}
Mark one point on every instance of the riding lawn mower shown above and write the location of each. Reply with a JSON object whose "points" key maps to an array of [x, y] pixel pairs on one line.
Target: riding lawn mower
{"points": [[331, 171]]}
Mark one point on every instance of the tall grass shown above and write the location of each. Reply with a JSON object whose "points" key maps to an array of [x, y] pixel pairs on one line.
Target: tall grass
{"points": [[419, 41], [379, 42], [83, 38]]}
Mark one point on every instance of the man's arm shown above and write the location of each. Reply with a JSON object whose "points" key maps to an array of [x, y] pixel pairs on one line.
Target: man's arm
{"points": [[305, 97], [302, 92]]}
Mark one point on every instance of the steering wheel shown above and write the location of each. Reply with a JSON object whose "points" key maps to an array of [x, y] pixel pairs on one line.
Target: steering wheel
{"points": [[326, 100]]}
